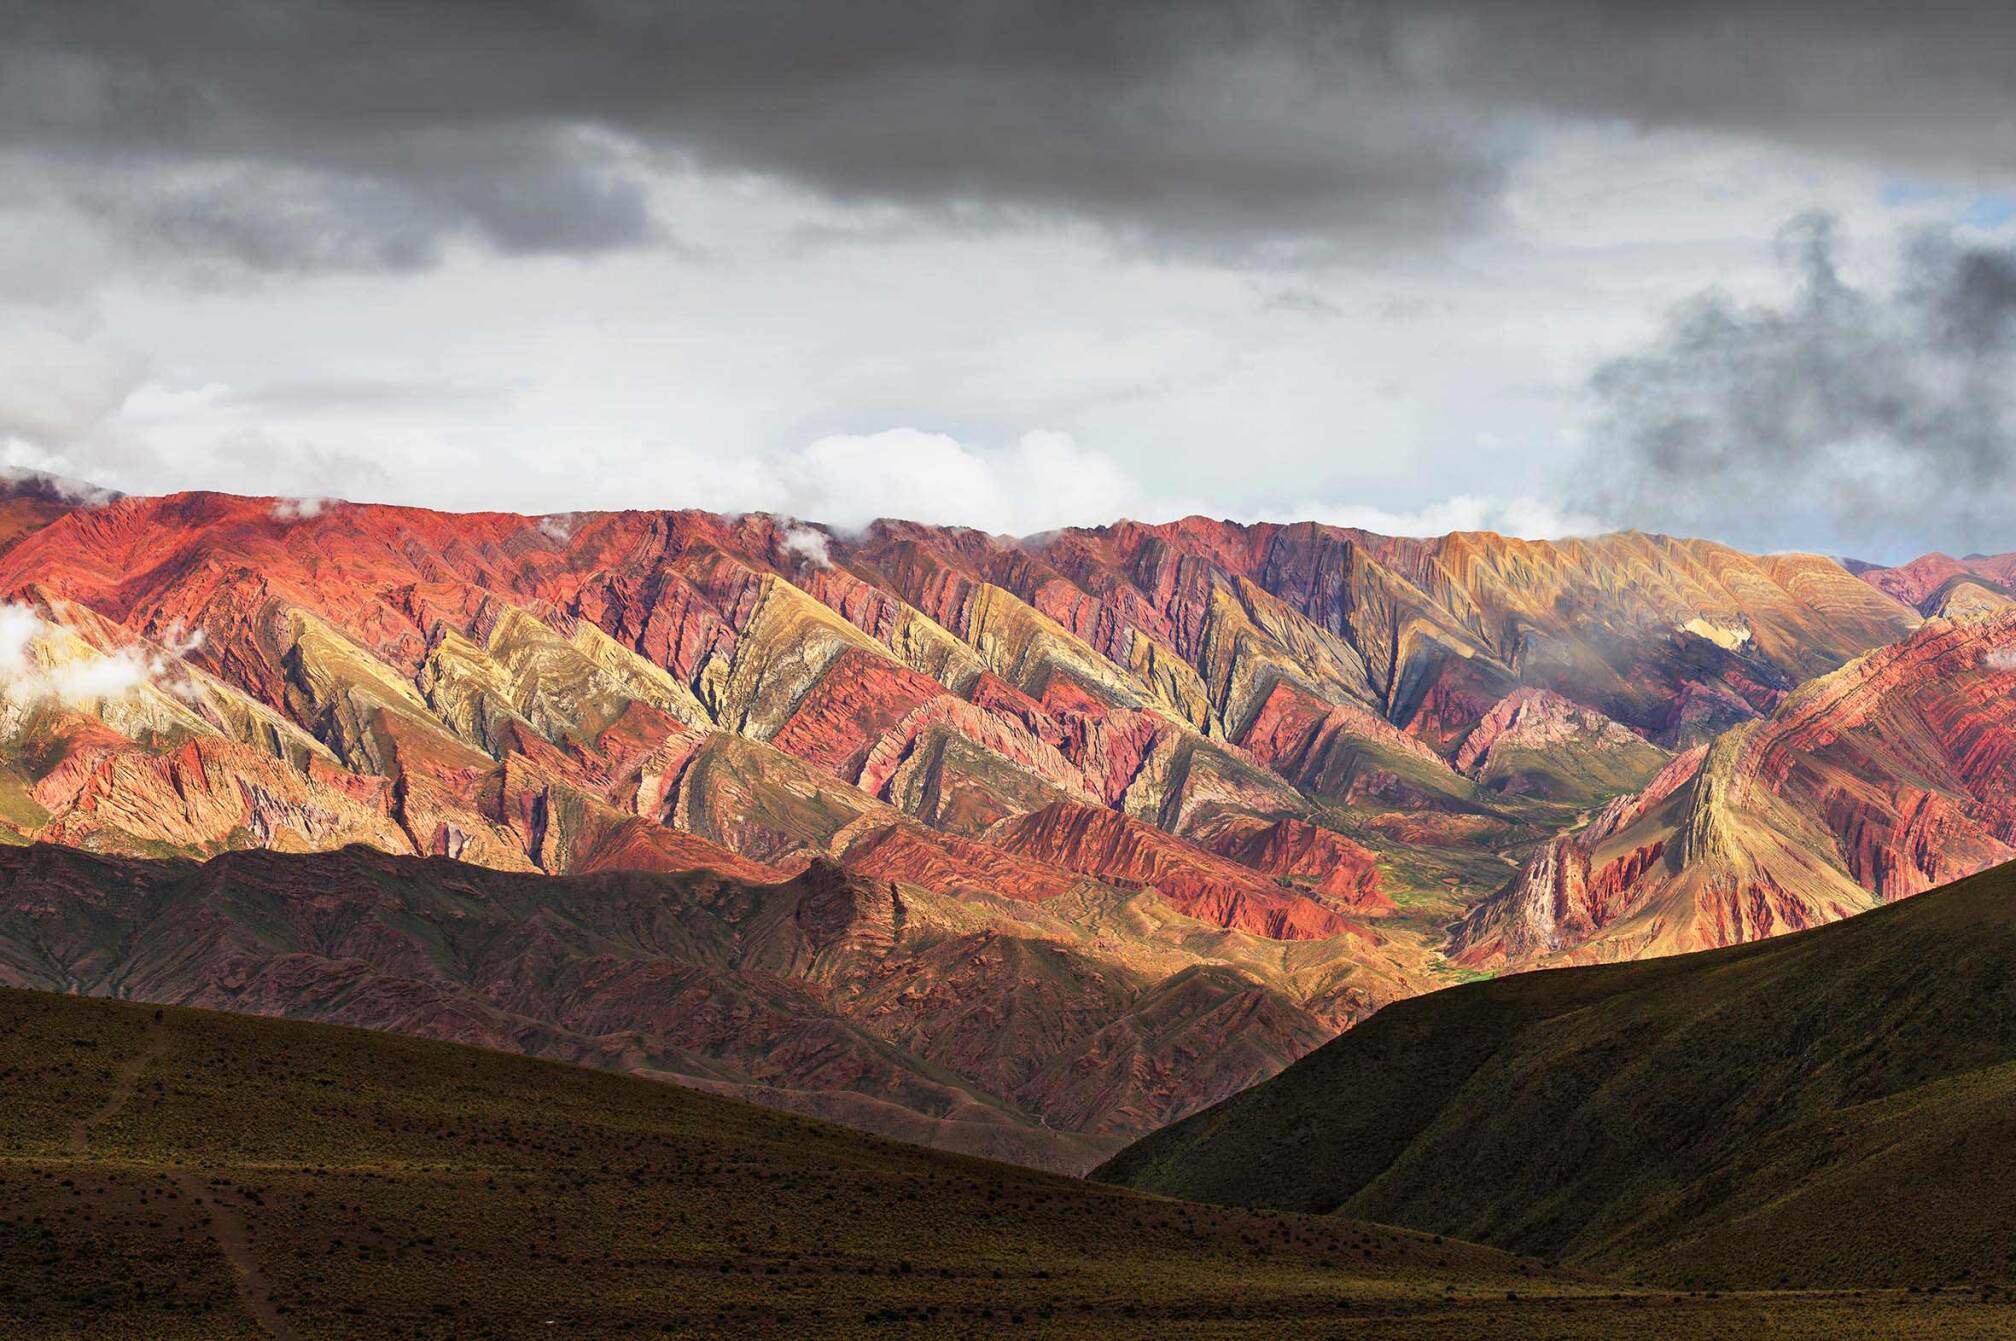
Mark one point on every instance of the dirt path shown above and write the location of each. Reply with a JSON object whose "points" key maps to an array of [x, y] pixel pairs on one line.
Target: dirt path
{"points": [[227, 1226], [123, 1081]]}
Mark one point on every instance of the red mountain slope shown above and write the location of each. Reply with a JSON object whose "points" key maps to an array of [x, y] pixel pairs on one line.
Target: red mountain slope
{"points": [[1888, 777], [1314, 745], [1939, 584]]}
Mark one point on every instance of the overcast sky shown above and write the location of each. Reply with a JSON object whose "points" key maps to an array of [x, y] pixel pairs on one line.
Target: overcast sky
{"points": [[1721, 269]]}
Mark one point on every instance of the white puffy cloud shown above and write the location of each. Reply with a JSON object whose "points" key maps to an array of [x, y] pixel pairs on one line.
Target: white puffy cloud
{"points": [[18, 627], [1046, 480], [809, 545], [1526, 518], [299, 509], [1041, 481], [112, 676]]}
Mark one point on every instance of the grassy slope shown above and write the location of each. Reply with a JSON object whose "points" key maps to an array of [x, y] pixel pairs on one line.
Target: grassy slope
{"points": [[1831, 1108], [387, 1183], [369, 1185]]}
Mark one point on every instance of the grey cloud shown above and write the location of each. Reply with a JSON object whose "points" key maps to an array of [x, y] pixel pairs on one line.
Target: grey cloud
{"points": [[402, 395], [1262, 133], [17, 482], [519, 194], [1257, 132], [311, 469], [1870, 412], [274, 220], [1301, 302], [1924, 86]]}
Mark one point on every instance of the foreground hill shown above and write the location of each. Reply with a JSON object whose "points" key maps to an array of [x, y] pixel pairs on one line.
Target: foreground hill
{"points": [[366, 1185], [1832, 1108], [172, 1175]]}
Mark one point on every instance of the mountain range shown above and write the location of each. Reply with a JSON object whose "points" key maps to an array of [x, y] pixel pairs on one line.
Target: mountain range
{"points": [[1015, 846]]}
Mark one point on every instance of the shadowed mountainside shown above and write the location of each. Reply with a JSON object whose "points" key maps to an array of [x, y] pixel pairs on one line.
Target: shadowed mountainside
{"points": [[1832, 1108], [175, 1175], [1043, 1033], [184, 1174]]}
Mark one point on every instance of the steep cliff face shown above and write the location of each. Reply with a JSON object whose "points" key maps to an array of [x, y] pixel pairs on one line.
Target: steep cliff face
{"points": [[1027, 650], [1873, 783], [1169, 672], [1622, 623], [1575, 885]]}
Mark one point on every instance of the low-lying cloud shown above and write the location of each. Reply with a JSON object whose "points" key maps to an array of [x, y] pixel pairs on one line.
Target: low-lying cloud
{"points": [[28, 674], [559, 526], [299, 509], [808, 544]]}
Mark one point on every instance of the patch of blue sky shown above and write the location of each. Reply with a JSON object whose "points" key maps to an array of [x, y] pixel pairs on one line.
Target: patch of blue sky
{"points": [[1915, 193], [1989, 211], [1971, 211]]}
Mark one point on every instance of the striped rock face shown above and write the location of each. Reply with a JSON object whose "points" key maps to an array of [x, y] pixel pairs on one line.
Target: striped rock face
{"points": [[1233, 784]]}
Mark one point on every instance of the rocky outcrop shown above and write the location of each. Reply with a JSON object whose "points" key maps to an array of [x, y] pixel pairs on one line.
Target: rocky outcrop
{"points": [[1340, 752], [1577, 884], [1325, 862], [949, 864]]}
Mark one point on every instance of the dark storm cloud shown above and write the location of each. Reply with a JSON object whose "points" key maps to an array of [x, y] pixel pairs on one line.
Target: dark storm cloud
{"points": [[292, 134], [278, 217], [1867, 412], [325, 134], [297, 135], [1924, 85]]}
